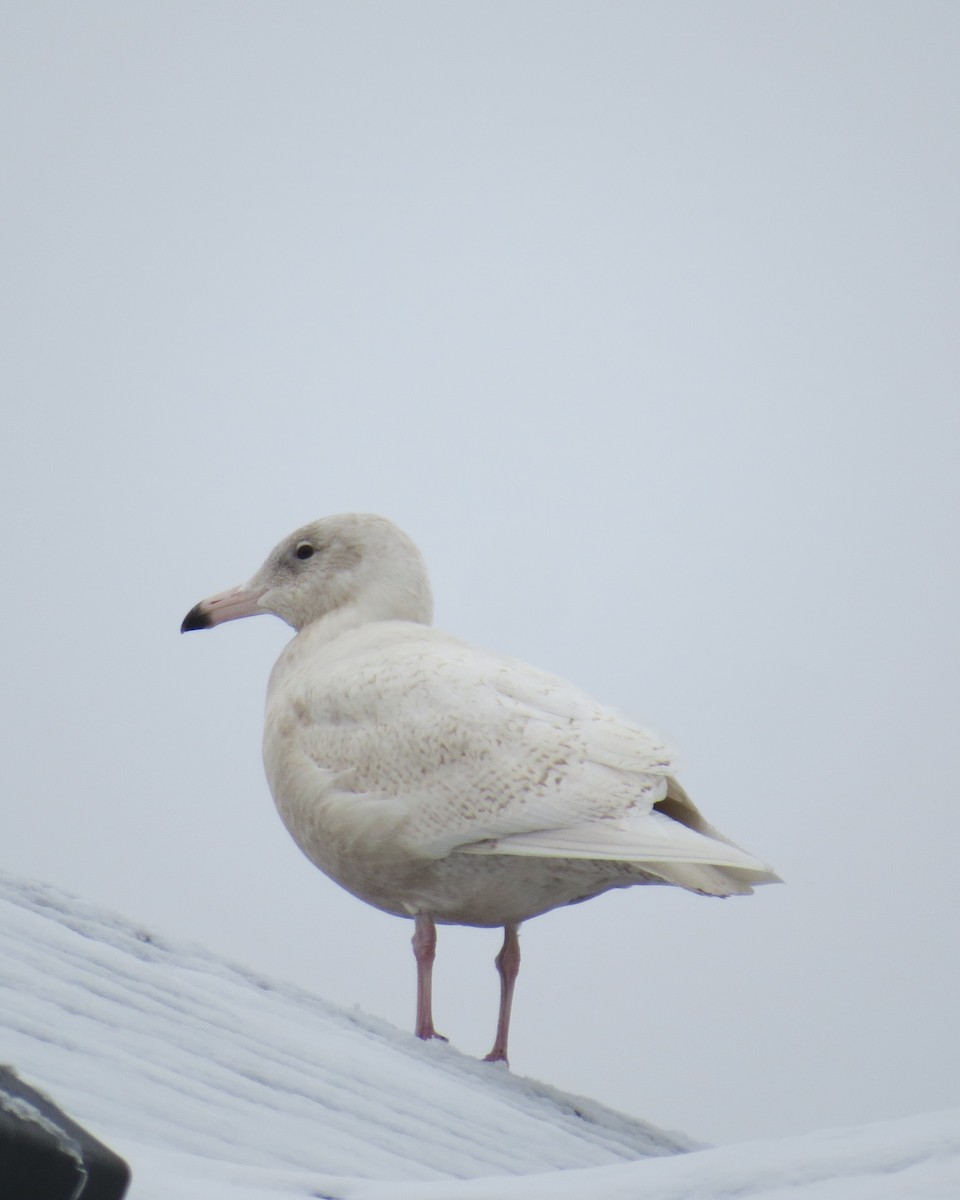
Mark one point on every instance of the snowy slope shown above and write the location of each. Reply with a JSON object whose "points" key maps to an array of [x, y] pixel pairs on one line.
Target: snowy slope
{"points": [[180, 1060], [914, 1159], [219, 1085]]}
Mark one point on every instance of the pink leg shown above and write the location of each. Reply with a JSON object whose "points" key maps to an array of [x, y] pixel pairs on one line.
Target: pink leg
{"points": [[508, 964], [425, 950]]}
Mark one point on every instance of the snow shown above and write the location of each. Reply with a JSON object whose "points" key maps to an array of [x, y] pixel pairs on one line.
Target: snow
{"points": [[913, 1159], [151, 1045], [214, 1082]]}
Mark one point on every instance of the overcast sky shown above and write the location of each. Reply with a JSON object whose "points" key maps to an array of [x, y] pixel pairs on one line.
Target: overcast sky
{"points": [[642, 320]]}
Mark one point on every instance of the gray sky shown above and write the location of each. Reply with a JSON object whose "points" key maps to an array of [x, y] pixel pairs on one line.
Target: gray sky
{"points": [[642, 320]]}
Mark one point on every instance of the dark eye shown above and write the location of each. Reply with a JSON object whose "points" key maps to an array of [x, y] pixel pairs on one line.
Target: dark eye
{"points": [[304, 550]]}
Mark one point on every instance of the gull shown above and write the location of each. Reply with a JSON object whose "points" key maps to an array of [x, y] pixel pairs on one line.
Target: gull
{"points": [[444, 783]]}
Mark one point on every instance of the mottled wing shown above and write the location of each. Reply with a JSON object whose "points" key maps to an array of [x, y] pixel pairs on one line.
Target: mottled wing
{"points": [[445, 747]]}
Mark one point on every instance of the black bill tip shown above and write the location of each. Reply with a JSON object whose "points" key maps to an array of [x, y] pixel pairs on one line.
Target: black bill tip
{"points": [[196, 618]]}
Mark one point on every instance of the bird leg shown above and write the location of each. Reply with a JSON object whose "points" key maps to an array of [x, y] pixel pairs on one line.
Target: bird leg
{"points": [[425, 950], [508, 964]]}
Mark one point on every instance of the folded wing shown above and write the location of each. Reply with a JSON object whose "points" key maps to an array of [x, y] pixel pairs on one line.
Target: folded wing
{"points": [[473, 752]]}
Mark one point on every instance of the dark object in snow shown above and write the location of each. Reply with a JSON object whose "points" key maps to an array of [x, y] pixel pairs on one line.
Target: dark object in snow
{"points": [[46, 1156]]}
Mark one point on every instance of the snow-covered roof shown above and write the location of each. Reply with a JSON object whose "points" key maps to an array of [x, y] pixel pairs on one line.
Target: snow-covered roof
{"points": [[170, 1048], [217, 1084]]}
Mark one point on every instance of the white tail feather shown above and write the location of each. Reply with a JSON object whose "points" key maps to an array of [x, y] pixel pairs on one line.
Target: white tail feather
{"points": [[652, 838]]}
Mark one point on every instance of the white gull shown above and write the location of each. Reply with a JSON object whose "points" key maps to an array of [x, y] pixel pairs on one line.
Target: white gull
{"points": [[445, 783]]}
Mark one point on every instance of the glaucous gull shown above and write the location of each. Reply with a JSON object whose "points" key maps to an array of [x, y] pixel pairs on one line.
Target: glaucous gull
{"points": [[441, 782]]}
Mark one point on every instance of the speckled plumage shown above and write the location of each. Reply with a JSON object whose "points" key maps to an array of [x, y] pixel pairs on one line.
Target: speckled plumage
{"points": [[439, 781]]}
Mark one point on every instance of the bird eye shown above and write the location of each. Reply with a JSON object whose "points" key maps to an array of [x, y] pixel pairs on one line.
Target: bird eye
{"points": [[304, 550]]}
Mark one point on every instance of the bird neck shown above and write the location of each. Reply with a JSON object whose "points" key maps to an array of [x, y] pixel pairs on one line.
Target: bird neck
{"points": [[399, 604]]}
